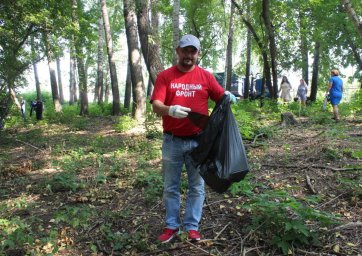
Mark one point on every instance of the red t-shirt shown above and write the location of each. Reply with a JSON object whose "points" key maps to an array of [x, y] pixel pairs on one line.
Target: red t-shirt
{"points": [[188, 89]]}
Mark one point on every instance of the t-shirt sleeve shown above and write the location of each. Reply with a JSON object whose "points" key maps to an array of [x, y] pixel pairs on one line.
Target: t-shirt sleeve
{"points": [[159, 90], [216, 91]]}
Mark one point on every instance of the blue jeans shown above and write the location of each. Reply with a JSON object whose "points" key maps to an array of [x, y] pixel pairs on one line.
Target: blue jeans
{"points": [[175, 153]]}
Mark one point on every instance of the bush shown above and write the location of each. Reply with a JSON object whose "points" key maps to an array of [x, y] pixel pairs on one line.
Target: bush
{"points": [[124, 124]]}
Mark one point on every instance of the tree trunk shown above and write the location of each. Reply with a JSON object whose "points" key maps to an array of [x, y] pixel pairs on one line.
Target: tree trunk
{"points": [[314, 86], [98, 92], [150, 48], [229, 51], [35, 69], [53, 78], [272, 46], [80, 64], [128, 90], [106, 89], [352, 15], [248, 58], [112, 63], [303, 46], [264, 54], [149, 87], [138, 87], [176, 29], [72, 84], [60, 85]]}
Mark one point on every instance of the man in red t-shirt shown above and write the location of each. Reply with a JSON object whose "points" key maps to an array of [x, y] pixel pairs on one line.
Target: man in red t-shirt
{"points": [[179, 90]]}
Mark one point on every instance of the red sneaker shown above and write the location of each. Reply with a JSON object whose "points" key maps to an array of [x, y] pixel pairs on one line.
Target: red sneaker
{"points": [[167, 235], [194, 235]]}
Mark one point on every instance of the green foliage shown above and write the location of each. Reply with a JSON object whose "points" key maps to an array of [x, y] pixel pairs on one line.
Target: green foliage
{"points": [[64, 181], [357, 154], [124, 240], [75, 216], [152, 183], [281, 214], [124, 124], [151, 125], [14, 233], [244, 187]]}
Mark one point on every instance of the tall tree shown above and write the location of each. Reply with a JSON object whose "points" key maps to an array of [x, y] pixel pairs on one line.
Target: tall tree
{"points": [[128, 89], [72, 81], [248, 56], [116, 110], [352, 15], [150, 48], [303, 44], [53, 79], [60, 84], [175, 29], [229, 50], [80, 63], [134, 57], [272, 46], [98, 92], [35, 70], [314, 86]]}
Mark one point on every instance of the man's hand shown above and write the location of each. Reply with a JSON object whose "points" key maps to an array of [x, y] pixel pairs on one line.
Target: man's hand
{"points": [[231, 96], [178, 111]]}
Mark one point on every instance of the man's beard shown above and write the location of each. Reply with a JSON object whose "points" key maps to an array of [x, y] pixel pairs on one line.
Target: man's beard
{"points": [[187, 62]]}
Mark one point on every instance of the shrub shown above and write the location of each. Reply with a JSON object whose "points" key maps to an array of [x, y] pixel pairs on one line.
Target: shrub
{"points": [[124, 124]]}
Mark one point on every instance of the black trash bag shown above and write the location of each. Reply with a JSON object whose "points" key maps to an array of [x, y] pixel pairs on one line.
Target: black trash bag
{"points": [[221, 154]]}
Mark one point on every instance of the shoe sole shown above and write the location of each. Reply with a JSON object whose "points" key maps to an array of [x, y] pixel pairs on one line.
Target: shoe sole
{"points": [[168, 240]]}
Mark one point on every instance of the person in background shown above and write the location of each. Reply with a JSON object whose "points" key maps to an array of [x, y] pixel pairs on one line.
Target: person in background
{"points": [[285, 88], [335, 91], [179, 90], [23, 108], [302, 92]]}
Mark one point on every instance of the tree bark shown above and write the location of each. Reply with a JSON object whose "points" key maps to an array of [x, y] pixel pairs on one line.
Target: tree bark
{"points": [[60, 85], [72, 83], [150, 48], [248, 58], [272, 46], [352, 15], [229, 51], [35, 69], [98, 94], [264, 54], [314, 86], [52, 75], [134, 57], [128, 90], [112, 63], [303, 46], [176, 29], [80, 64]]}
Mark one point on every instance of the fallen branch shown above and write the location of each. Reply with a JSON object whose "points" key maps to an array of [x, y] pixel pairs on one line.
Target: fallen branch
{"points": [[313, 166], [310, 186], [257, 136], [222, 230], [319, 206], [209, 253], [159, 252], [28, 144], [348, 226]]}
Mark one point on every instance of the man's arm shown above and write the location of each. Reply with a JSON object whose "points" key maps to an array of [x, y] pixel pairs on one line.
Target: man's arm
{"points": [[159, 108], [175, 111]]}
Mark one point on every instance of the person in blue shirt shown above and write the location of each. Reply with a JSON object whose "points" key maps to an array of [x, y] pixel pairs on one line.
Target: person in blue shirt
{"points": [[335, 91]]}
